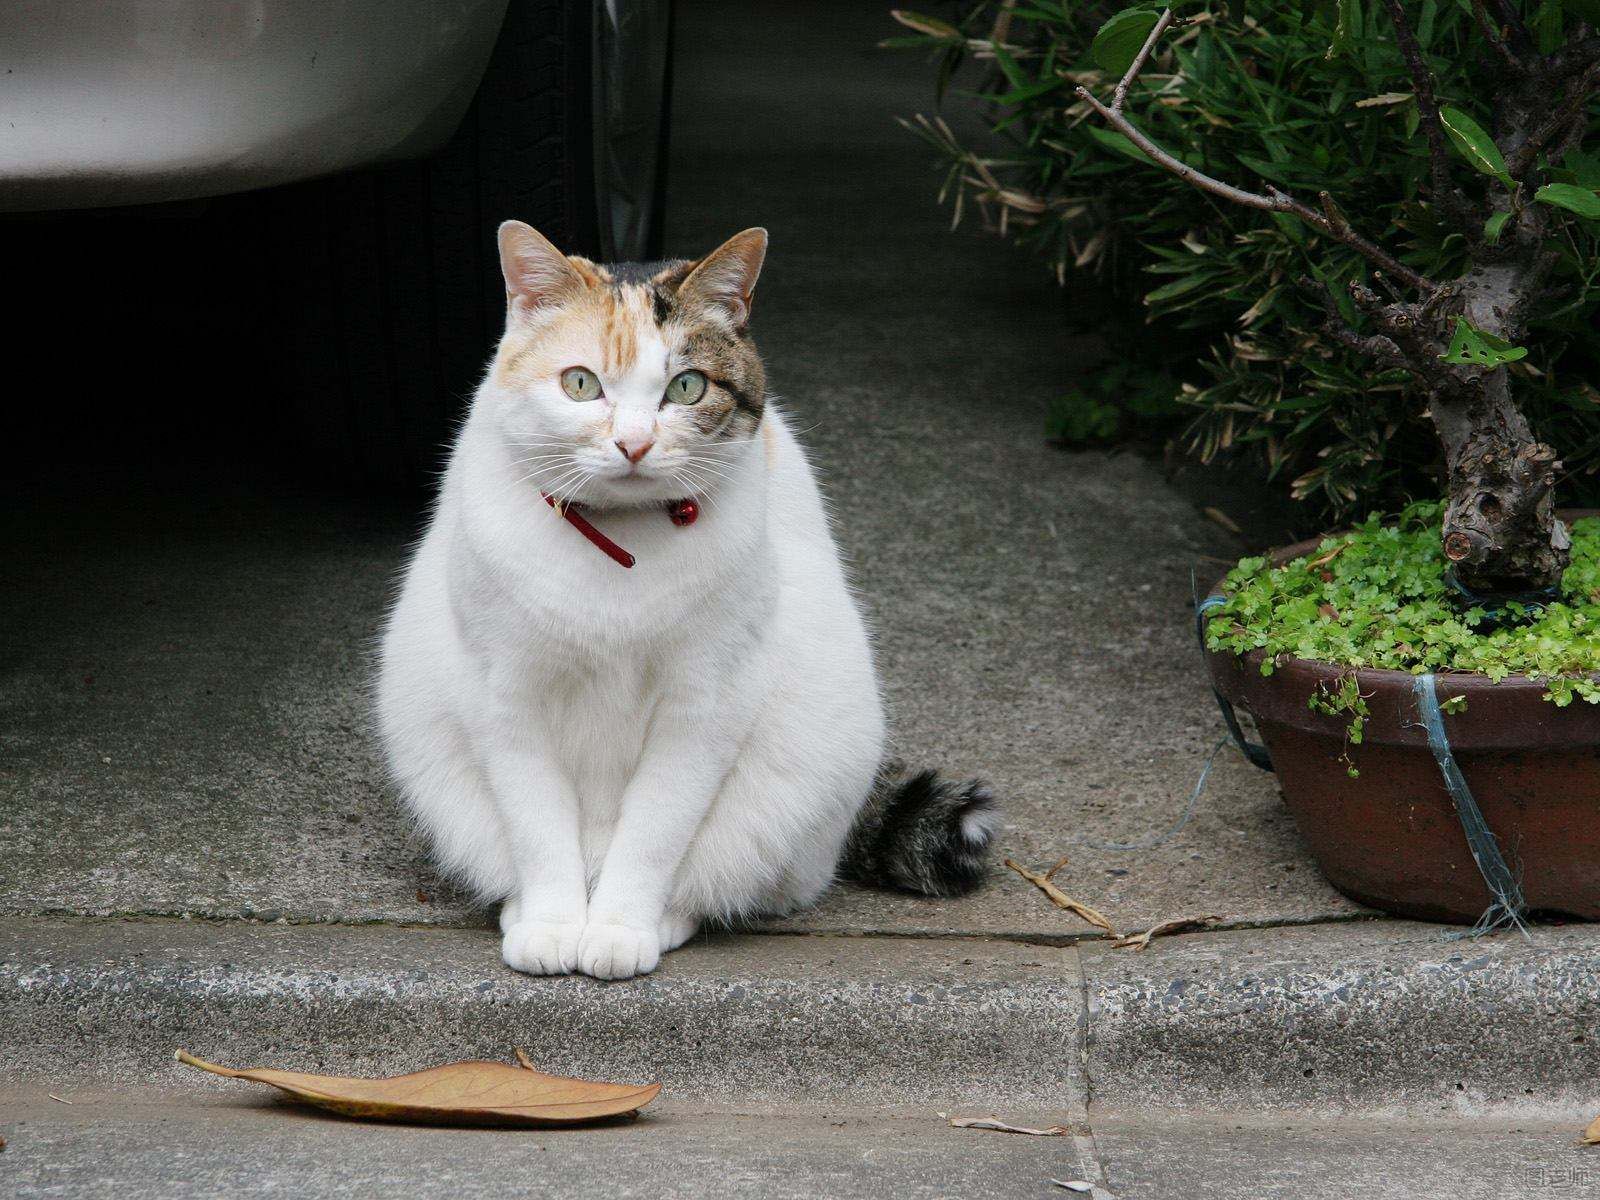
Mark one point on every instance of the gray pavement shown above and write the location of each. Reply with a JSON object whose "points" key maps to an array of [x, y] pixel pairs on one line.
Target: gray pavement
{"points": [[140, 1147], [1334, 1019]]}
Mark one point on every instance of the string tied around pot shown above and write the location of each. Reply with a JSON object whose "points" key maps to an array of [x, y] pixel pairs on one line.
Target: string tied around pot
{"points": [[1508, 909]]}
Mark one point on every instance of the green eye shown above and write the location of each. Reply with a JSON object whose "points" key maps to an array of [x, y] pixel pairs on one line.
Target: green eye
{"points": [[687, 387], [580, 383]]}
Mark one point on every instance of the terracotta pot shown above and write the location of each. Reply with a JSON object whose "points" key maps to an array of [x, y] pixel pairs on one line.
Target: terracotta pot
{"points": [[1391, 838]]}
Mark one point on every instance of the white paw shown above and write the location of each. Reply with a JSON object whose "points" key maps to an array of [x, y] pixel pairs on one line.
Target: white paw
{"points": [[510, 912], [542, 947], [675, 930], [618, 951]]}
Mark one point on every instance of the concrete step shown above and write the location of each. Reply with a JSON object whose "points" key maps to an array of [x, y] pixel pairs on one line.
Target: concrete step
{"points": [[1358, 1017], [147, 1146]]}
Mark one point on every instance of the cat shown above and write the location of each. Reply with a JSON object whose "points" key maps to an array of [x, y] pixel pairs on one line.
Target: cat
{"points": [[620, 753]]}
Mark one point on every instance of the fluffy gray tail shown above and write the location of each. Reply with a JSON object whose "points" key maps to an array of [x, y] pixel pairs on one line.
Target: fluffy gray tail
{"points": [[921, 834]]}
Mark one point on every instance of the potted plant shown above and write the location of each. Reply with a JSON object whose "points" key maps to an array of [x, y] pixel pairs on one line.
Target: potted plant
{"points": [[1428, 688]]}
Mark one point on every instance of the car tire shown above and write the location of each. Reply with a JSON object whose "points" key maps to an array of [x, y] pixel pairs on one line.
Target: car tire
{"points": [[387, 280]]}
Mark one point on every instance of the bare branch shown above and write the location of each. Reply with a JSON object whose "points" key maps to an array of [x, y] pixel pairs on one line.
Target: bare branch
{"points": [[1274, 201], [1376, 346], [1577, 54], [1491, 34], [1427, 105], [1572, 110], [1511, 19], [1176, 165], [1408, 327], [1120, 96]]}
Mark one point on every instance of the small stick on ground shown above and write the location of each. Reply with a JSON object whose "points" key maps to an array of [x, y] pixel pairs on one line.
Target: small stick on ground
{"points": [[58, 1099], [1063, 901], [1141, 941], [1003, 1127], [522, 1057]]}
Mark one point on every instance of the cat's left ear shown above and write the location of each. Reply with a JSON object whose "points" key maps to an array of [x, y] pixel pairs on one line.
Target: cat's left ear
{"points": [[725, 279]]}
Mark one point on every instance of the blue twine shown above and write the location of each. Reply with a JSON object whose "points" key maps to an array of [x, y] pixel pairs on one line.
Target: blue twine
{"points": [[1257, 754], [1176, 828], [1508, 907]]}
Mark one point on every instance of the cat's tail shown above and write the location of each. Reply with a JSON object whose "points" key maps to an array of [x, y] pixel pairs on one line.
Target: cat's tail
{"points": [[921, 833]]}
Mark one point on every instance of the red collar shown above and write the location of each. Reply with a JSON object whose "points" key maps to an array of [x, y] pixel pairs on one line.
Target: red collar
{"points": [[681, 512]]}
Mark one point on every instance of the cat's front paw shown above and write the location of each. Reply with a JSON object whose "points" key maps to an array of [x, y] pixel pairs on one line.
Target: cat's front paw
{"points": [[541, 947], [618, 951]]}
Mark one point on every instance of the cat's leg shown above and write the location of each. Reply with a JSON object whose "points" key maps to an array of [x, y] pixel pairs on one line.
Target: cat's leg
{"points": [[676, 928], [543, 918], [772, 840], [678, 775]]}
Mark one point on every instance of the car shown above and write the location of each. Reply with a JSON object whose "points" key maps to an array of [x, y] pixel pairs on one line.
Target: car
{"points": [[377, 144]]}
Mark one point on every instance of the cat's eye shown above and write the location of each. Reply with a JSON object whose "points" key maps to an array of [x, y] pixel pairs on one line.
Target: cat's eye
{"points": [[686, 387], [580, 383]]}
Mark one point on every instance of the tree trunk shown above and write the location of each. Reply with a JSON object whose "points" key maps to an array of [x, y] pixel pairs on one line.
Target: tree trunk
{"points": [[1500, 527]]}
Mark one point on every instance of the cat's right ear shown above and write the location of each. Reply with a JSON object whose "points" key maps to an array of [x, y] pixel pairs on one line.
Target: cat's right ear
{"points": [[538, 276]]}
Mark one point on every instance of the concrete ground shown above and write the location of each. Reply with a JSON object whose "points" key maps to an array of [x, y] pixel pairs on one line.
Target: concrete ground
{"points": [[197, 846], [187, 1148]]}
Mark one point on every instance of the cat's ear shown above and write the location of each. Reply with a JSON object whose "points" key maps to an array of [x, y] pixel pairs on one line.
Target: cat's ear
{"points": [[537, 274], [725, 279]]}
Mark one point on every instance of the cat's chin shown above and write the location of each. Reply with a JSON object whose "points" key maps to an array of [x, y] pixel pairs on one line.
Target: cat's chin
{"points": [[631, 491]]}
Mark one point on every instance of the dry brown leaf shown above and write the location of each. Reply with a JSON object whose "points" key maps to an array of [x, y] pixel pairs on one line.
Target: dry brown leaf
{"points": [[1140, 941], [1061, 900], [1323, 560], [1003, 1127], [1219, 517], [1591, 1135], [1060, 862], [463, 1093]]}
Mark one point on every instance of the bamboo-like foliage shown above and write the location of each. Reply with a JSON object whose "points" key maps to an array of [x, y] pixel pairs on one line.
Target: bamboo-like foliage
{"points": [[1283, 182]]}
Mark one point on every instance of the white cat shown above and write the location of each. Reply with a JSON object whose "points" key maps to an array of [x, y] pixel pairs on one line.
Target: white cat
{"points": [[617, 752]]}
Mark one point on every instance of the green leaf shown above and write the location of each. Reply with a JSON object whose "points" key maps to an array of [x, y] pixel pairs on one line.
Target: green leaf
{"points": [[1545, 25], [1032, 91], [1585, 168], [1348, 30], [1472, 347], [932, 26], [1121, 38], [1178, 287], [1112, 140], [1571, 197], [1475, 144], [1493, 226]]}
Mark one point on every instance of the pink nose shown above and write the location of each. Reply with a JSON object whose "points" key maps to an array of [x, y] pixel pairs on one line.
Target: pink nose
{"points": [[634, 451]]}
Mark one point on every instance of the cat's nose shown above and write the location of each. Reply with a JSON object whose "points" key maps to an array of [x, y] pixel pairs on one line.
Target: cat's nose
{"points": [[635, 450]]}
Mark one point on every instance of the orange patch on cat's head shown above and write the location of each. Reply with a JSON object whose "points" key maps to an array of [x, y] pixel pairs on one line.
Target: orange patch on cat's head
{"points": [[612, 317]]}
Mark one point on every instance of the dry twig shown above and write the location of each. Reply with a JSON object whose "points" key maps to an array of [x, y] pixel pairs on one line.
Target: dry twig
{"points": [[1141, 941], [1063, 901], [1004, 1127]]}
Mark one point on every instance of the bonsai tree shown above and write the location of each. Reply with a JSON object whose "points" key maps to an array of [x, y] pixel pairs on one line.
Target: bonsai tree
{"points": [[1366, 311], [1456, 337]]}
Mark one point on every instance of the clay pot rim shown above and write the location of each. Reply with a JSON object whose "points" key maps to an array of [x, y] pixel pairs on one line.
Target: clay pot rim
{"points": [[1457, 682]]}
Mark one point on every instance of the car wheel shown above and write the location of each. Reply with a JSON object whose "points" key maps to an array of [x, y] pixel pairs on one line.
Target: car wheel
{"points": [[387, 280]]}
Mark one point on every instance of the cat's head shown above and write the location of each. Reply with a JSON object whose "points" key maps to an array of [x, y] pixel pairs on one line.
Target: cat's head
{"points": [[625, 385]]}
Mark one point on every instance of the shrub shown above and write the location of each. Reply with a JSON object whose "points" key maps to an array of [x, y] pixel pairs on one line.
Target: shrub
{"points": [[1318, 100]]}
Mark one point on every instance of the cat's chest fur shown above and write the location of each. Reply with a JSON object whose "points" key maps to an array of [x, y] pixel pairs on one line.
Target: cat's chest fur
{"points": [[582, 650]]}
